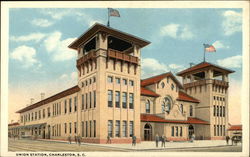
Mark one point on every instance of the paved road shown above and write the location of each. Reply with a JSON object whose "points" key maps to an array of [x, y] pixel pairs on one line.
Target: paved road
{"points": [[33, 146]]}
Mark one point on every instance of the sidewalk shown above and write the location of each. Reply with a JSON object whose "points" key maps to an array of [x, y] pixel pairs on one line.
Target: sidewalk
{"points": [[150, 145]]}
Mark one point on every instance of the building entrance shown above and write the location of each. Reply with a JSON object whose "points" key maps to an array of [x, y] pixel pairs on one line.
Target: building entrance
{"points": [[190, 131], [147, 132]]}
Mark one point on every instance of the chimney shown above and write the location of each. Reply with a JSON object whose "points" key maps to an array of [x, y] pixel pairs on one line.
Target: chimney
{"points": [[42, 96], [31, 101]]}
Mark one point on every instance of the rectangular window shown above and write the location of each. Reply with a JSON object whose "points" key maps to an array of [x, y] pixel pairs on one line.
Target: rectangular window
{"points": [[43, 113], [59, 108], [110, 79], [75, 127], [117, 128], [110, 128], [224, 110], [75, 103], [110, 98], [90, 128], [82, 101], [70, 105], [117, 99], [90, 99], [86, 129], [65, 128], [131, 128], [117, 80], [220, 111], [221, 130], [224, 130], [214, 110], [86, 101], [94, 79], [181, 131], [35, 115], [131, 100], [131, 83], [48, 109], [94, 99], [94, 128], [124, 99], [176, 131], [214, 130], [124, 128], [82, 129], [125, 82], [218, 131], [65, 106], [172, 132], [70, 128]]}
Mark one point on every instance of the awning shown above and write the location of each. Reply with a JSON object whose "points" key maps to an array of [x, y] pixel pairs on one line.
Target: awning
{"points": [[32, 126]]}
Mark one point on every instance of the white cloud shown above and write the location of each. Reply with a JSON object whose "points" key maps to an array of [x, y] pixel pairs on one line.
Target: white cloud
{"points": [[31, 37], [59, 48], [232, 22], [177, 31], [57, 14], [220, 45], [26, 55], [151, 67], [42, 22], [74, 75], [231, 62], [63, 76]]}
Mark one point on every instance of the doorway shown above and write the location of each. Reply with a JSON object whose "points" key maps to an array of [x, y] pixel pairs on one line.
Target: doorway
{"points": [[190, 131], [147, 132]]}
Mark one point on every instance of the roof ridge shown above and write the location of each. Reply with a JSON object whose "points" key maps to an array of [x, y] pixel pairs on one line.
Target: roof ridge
{"points": [[157, 75]]}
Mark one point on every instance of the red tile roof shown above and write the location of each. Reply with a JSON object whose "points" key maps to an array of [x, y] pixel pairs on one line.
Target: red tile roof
{"points": [[148, 92], [52, 98], [201, 66], [154, 118], [13, 124], [235, 127], [185, 97], [156, 79]]}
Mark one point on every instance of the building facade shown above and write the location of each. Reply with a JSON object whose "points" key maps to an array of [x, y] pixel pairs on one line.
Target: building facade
{"points": [[110, 98]]}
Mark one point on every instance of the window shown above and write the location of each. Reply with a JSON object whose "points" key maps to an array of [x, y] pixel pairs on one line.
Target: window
{"points": [[59, 108], [166, 105], [131, 82], [90, 81], [131, 100], [181, 108], [181, 131], [124, 100], [75, 127], [75, 103], [43, 114], [90, 99], [163, 107], [124, 128], [214, 130], [131, 128], [172, 86], [110, 98], [110, 127], [117, 99], [86, 129], [70, 128], [176, 131], [43, 117], [82, 129], [218, 111], [48, 110], [39, 114], [70, 105], [214, 110], [94, 99], [167, 79], [65, 106], [117, 128], [224, 130], [117, 80], [86, 101], [82, 84], [65, 128], [147, 106], [223, 111], [82, 101], [191, 111], [218, 130], [162, 85], [90, 128], [214, 98], [35, 115], [94, 128], [125, 82], [172, 132], [110, 79], [86, 83], [94, 79]]}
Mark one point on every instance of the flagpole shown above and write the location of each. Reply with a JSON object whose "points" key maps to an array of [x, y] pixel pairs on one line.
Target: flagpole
{"points": [[108, 18], [204, 59]]}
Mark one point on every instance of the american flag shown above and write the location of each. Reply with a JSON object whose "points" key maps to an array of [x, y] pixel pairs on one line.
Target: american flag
{"points": [[209, 48], [113, 12]]}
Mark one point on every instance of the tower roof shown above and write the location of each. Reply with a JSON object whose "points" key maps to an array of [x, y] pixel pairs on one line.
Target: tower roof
{"points": [[202, 66], [102, 28]]}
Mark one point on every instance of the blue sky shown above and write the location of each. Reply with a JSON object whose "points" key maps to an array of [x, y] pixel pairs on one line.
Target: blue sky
{"points": [[38, 40]]}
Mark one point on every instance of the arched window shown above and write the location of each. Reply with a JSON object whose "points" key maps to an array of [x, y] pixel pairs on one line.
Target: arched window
{"points": [[162, 85], [181, 108], [147, 106], [166, 105], [191, 110]]}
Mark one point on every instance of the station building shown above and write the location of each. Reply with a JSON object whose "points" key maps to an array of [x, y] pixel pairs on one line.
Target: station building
{"points": [[110, 99]]}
